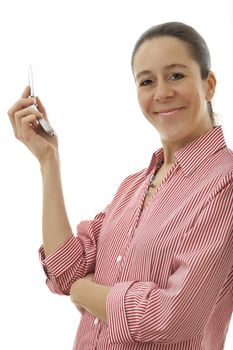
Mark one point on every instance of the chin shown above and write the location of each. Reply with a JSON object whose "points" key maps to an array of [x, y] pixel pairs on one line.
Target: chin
{"points": [[173, 135]]}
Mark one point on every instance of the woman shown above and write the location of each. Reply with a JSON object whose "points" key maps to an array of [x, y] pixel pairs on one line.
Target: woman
{"points": [[161, 253]]}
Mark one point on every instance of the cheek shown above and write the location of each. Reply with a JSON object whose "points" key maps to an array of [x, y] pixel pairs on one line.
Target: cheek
{"points": [[197, 101], [186, 93], [143, 101], [193, 94]]}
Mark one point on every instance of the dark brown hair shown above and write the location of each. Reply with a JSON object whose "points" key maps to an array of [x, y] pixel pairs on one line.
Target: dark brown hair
{"points": [[196, 45]]}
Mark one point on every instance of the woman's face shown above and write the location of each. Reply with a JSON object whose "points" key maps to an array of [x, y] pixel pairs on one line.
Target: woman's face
{"points": [[171, 93]]}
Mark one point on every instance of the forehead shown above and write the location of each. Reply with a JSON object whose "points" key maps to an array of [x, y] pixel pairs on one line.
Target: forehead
{"points": [[160, 52]]}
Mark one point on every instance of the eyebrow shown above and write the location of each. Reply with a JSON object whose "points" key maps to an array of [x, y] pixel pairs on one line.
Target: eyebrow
{"points": [[173, 65]]}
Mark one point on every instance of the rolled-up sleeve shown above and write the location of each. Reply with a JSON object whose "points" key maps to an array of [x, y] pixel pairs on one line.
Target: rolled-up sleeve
{"points": [[140, 311], [75, 259]]}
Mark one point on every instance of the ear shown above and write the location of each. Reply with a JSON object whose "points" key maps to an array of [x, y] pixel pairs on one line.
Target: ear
{"points": [[210, 86]]}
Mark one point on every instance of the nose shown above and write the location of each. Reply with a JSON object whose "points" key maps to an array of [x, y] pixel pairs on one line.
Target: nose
{"points": [[163, 91]]}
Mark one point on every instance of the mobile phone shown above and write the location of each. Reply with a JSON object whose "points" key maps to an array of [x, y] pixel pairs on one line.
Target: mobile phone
{"points": [[42, 121]]}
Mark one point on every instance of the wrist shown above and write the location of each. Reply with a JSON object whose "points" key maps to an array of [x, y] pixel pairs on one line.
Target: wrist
{"points": [[82, 291], [51, 158], [91, 296]]}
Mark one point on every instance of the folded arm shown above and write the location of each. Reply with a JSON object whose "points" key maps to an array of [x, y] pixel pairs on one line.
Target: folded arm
{"points": [[201, 266], [74, 259]]}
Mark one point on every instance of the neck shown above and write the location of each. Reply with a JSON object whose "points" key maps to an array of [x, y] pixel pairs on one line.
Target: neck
{"points": [[169, 148]]}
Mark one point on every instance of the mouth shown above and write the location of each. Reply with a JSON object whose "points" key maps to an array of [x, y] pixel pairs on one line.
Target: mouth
{"points": [[169, 112]]}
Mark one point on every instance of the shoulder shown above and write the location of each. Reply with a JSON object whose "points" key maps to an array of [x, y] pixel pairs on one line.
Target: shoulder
{"points": [[224, 167], [217, 168], [222, 176], [227, 157]]}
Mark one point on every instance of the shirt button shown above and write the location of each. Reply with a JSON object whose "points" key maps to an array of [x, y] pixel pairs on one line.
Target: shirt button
{"points": [[130, 230], [96, 321], [119, 258]]}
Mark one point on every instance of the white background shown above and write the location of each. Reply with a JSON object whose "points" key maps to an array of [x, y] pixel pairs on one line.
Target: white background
{"points": [[80, 52]]}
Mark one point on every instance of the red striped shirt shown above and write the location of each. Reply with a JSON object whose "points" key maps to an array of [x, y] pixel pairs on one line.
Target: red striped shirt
{"points": [[170, 266]]}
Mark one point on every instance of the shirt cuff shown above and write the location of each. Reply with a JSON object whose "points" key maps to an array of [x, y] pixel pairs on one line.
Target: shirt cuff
{"points": [[63, 258], [118, 330]]}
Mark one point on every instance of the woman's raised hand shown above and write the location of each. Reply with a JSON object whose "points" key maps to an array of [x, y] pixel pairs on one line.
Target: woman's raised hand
{"points": [[24, 119]]}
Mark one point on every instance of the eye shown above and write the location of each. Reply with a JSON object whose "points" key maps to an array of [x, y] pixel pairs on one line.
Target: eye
{"points": [[146, 82], [176, 76]]}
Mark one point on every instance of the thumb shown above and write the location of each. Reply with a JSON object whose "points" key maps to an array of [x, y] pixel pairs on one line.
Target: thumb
{"points": [[41, 108], [26, 92]]}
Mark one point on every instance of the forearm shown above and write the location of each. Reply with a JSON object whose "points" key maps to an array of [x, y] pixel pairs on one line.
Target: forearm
{"points": [[55, 223]]}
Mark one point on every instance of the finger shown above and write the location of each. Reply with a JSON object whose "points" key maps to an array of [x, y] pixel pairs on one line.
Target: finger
{"points": [[18, 105], [19, 115], [29, 124], [26, 127], [26, 111], [41, 108], [26, 92]]}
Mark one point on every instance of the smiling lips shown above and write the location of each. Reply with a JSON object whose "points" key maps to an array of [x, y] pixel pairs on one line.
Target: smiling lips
{"points": [[168, 112]]}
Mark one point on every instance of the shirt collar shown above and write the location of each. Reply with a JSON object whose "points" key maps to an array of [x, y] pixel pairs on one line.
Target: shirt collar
{"points": [[189, 157]]}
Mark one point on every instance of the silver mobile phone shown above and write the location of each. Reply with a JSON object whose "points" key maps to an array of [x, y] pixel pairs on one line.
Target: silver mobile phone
{"points": [[43, 122]]}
